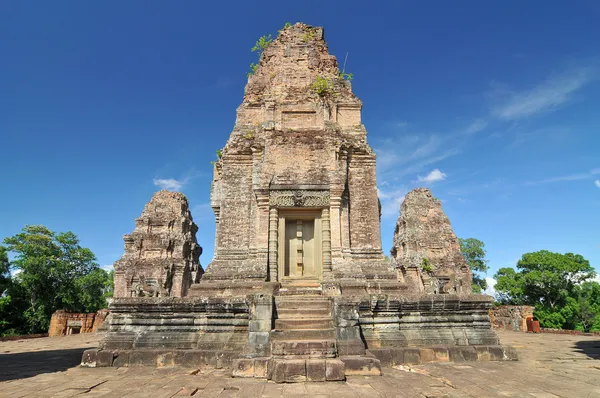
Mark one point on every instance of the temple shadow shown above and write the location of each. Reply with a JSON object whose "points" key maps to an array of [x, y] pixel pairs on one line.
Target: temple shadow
{"points": [[22, 365], [591, 348]]}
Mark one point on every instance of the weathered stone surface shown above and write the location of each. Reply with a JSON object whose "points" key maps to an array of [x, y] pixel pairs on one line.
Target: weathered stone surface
{"points": [[511, 317], [361, 365], [334, 370], [296, 151], [64, 323], [161, 255], [425, 248]]}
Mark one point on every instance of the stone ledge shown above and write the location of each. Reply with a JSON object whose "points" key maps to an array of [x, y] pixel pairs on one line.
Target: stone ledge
{"points": [[420, 355], [157, 358]]}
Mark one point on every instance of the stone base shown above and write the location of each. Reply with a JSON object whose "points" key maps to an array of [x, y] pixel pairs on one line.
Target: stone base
{"points": [[291, 370], [420, 355], [158, 358]]}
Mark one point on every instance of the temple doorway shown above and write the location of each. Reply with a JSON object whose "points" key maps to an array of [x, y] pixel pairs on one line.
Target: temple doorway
{"points": [[300, 245]]}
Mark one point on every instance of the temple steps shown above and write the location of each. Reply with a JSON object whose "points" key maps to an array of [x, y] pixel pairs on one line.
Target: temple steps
{"points": [[303, 323], [303, 313], [303, 334], [304, 348], [303, 302]]}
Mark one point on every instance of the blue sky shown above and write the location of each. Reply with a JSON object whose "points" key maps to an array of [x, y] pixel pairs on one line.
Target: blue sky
{"points": [[493, 105]]}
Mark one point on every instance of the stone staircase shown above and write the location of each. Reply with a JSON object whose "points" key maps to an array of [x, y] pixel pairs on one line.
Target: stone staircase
{"points": [[303, 345], [303, 341]]}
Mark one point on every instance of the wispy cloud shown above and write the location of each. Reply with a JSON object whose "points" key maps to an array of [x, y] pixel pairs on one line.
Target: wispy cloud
{"points": [[476, 126], [549, 95], [170, 184], [173, 184], [433, 176], [391, 201], [569, 177], [597, 183]]}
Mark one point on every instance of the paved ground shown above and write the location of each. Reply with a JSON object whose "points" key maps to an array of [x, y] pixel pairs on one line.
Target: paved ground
{"points": [[550, 366]]}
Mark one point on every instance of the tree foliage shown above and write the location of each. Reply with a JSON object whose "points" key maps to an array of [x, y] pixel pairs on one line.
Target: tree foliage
{"points": [[473, 250], [52, 271], [557, 285]]}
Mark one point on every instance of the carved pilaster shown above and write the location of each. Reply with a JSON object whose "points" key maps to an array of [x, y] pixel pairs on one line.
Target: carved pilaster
{"points": [[335, 223], [273, 237], [326, 239]]}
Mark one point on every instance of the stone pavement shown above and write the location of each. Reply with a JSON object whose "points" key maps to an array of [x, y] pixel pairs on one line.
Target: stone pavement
{"points": [[550, 366]]}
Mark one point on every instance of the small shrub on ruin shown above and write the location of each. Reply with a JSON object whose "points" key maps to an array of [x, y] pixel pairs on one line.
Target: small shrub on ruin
{"points": [[426, 265], [322, 87]]}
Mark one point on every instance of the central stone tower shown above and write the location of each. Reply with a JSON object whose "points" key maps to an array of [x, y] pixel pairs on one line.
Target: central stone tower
{"points": [[294, 192]]}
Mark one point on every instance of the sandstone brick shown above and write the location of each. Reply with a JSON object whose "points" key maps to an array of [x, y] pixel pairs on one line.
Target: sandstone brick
{"points": [[334, 370], [315, 370]]}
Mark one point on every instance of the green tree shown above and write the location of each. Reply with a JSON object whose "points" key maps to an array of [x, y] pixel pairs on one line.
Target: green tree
{"points": [[53, 273], [473, 250], [4, 270], [555, 284]]}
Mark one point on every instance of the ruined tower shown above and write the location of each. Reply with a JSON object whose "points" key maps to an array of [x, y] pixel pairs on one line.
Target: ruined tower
{"points": [[425, 248], [162, 257]]}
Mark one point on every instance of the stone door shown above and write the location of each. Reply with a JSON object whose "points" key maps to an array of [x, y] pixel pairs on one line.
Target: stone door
{"points": [[300, 246]]}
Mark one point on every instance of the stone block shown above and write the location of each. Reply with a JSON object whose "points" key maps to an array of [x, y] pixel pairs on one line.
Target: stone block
{"points": [[397, 356], [262, 325], [468, 353], [288, 370], [483, 353], [243, 367], [315, 370], [350, 347], [412, 356], [261, 366], [496, 353], [384, 355], [88, 358], [334, 370], [121, 359], [104, 358], [165, 359], [143, 358], [426, 355], [361, 366], [441, 354]]}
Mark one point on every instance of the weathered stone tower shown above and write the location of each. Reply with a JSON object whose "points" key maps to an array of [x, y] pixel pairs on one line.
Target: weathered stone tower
{"points": [[299, 288], [294, 193]]}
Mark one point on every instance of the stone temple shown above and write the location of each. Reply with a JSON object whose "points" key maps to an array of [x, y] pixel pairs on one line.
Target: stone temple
{"points": [[299, 288]]}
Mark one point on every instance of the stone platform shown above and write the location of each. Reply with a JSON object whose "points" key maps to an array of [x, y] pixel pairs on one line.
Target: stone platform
{"points": [[549, 366], [296, 335]]}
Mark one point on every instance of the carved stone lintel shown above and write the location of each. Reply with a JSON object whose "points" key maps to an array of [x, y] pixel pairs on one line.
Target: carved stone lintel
{"points": [[299, 198]]}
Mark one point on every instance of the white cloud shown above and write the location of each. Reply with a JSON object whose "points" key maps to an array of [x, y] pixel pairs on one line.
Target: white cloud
{"points": [[170, 184], [491, 286], [434, 176], [570, 177], [477, 126], [597, 183], [107, 268], [547, 96]]}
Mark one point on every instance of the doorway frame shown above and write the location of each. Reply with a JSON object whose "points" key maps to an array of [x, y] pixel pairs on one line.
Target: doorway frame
{"points": [[300, 214]]}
